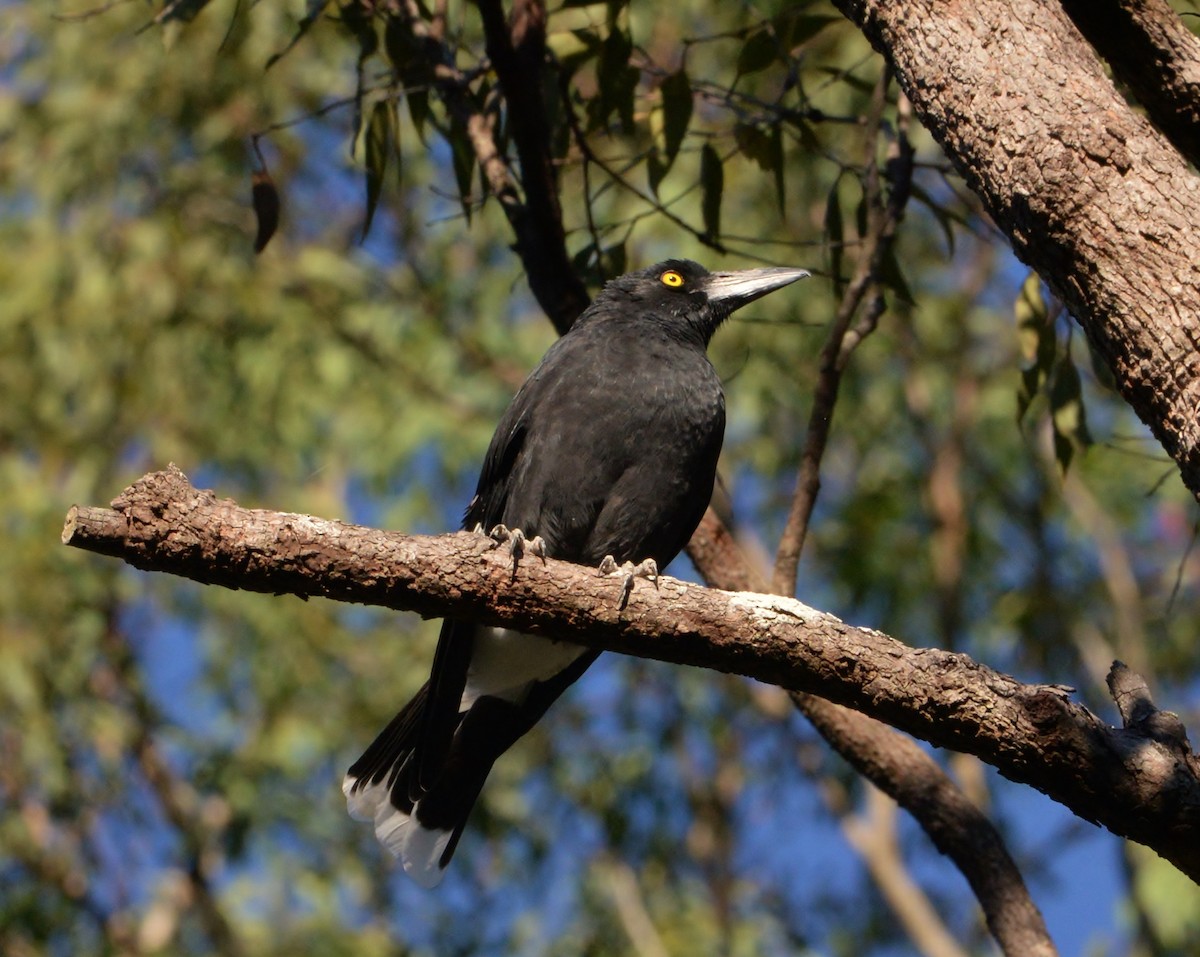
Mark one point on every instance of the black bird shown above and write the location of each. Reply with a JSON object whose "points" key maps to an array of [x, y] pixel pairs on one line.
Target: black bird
{"points": [[609, 449]]}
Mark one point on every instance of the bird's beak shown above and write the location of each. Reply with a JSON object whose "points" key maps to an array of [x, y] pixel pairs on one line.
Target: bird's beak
{"points": [[732, 290]]}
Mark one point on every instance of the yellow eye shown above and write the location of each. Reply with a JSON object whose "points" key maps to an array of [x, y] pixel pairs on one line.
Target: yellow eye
{"points": [[671, 278]]}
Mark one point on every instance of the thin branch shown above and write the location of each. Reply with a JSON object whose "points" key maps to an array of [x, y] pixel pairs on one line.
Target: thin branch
{"points": [[590, 156], [537, 227], [1147, 789], [518, 55], [630, 906], [895, 765], [873, 833], [175, 797], [883, 216], [955, 825], [1141, 321], [89, 13]]}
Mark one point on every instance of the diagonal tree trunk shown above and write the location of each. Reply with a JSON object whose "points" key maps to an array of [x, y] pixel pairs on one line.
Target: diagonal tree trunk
{"points": [[1091, 195]]}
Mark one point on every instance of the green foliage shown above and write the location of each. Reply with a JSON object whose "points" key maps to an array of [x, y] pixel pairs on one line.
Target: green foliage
{"points": [[1049, 372]]}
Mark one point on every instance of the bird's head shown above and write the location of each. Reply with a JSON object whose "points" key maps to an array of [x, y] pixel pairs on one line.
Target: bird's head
{"points": [[679, 290]]}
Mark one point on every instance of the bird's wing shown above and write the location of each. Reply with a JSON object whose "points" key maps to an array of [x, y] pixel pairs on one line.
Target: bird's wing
{"points": [[495, 478], [452, 658]]}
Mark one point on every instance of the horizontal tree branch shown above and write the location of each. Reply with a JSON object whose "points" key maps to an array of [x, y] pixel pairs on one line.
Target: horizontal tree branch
{"points": [[1138, 782]]}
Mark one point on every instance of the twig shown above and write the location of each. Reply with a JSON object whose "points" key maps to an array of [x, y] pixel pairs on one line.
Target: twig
{"points": [[517, 53], [88, 14], [894, 764], [883, 216], [631, 909], [589, 155], [173, 795]]}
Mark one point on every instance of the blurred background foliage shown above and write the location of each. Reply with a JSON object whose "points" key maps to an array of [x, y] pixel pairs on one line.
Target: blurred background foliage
{"points": [[170, 755]]}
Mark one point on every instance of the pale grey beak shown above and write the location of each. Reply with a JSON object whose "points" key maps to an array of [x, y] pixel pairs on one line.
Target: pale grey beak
{"points": [[732, 290]]}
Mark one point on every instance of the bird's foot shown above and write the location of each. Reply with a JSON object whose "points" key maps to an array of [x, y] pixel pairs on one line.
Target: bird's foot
{"points": [[517, 543], [648, 569]]}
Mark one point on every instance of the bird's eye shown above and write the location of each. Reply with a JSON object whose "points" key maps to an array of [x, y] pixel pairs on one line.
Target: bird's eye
{"points": [[671, 278]]}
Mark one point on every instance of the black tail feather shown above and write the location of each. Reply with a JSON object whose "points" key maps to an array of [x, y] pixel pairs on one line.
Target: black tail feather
{"points": [[441, 718], [392, 748], [473, 742]]}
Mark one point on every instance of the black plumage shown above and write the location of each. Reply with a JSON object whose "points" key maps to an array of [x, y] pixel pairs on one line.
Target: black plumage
{"points": [[609, 449]]}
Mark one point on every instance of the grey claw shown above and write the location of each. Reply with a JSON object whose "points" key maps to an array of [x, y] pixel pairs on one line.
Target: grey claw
{"points": [[647, 569], [518, 544]]}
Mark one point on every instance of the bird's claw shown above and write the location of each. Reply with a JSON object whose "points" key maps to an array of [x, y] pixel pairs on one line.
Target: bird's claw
{"points": [[647, 568], [517, 543]]}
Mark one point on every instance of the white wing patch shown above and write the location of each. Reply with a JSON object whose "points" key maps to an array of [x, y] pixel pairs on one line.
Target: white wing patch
{"points": [[504, 663]]}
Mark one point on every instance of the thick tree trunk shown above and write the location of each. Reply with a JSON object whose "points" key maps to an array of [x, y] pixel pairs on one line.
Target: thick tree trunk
{"points": [[1091, 195]]}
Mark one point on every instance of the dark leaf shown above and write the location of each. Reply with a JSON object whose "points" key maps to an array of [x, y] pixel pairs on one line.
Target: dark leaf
{"points": [[265, 199], [712, 185], [760, 50], [1035, 332], [893, 278], [944, 217], [463, 158], [360, 22], [315, 9], [766, 149], [794, 27], [418, 110], [612, 10], [613, 260], [570, 63], [379, 138], [656, 169], [835, 235], [618, 82], [363, 27], [755, 144], [598, 269], [1036, 342], [1101, 369], [1028, 390], [676, 93], [183, 11], [1067, 413], [409, 55], [809, 143]]}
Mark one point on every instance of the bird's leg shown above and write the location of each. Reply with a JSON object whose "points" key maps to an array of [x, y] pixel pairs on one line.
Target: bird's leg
{"points": [[647, 568], [517, 543]]}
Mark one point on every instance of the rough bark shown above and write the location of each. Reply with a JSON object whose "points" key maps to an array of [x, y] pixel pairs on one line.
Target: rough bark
{"points": [[1090, 194], [956, 826], [1154, 56], [1143, 787], [909, 776]]}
